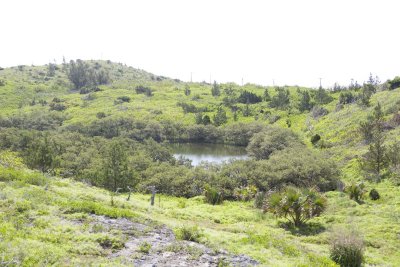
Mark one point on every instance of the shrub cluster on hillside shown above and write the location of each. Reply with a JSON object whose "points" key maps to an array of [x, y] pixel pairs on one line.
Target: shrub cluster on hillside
{"points": [[117, 154]]}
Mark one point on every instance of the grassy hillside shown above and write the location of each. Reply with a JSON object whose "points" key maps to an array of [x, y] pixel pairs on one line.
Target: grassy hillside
{"points": [[49, 220], [26, 86]]}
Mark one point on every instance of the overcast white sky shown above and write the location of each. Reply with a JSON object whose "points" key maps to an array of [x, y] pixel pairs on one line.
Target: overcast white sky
{"points": [[289, 41]]}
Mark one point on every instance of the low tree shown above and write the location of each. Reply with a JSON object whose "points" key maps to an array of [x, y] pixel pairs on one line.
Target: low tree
{"points": [[393, 156], [187, 90], [220, 117], [296, 205], [322, 96], [116, 170], [199, 118], [206, 120], [247, 111], [346, 97], [305, 101], [82, 74], [375, 160], [367, 90], [266, 96], [281, 100], [215, 90], [51, 69], [41, 154]]}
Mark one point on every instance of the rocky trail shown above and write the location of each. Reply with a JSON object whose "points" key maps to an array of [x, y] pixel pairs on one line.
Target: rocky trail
{"points": [[157, 246]]}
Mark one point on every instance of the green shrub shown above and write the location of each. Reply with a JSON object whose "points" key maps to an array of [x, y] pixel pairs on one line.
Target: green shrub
{"points": [[91, 207], [34, 178], [248, 97], [317, 112], [259, 200], [347, 248], [181, 203], [110, 242], [315, 138], [212, 195], [395, 83], [297, 166], [124, 98], [101, 115], [245, 193], [374, 195], [145, 247], [296, 205], [263, 144], [22, 206], [356, 191], [144, 90], [189, 233]]}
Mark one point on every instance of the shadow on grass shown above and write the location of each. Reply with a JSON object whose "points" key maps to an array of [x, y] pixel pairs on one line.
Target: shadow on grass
{"points": [[308, 229]]}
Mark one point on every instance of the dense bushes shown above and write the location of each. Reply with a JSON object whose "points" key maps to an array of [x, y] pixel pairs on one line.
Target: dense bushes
{"points": [[82, 74], [34, 178], [144, 90], [37, 120], [124, 99], [346, 97], [281, 100], [395, 83], [322, 97], [272, 139], [187, 107], [117, 153], [234, 134], [248, 97], [300, 167]]}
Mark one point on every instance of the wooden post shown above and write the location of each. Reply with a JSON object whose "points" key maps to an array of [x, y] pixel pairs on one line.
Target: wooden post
{"points": [[130, 191], [153, 194]]}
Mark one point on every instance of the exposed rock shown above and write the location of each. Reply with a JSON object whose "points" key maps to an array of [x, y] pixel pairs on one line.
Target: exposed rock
{"points": [[157, 246]]}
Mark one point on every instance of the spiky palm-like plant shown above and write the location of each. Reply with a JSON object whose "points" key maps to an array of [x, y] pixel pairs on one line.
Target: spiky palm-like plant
{"points": [[296, 205]]}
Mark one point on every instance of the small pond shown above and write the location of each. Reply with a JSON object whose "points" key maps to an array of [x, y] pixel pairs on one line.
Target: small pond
{"points": [[214, 153]]}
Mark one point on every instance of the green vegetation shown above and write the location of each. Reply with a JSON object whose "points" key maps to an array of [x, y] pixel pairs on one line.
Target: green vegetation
{"points": [[356, 191], [189, 233], [347, 248], [144, 247], [70, 132], [296, 205], [374, 194]]}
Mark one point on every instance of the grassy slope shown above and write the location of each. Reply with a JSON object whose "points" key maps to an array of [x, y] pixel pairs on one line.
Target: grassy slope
{"points": [[33, 83], [39, 223], [235, 226]]}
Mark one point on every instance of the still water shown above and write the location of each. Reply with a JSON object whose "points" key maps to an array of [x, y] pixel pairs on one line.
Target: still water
{"points": [[214, 153]]}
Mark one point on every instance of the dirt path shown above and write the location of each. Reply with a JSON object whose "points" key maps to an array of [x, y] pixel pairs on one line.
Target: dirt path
{"points": [[157, 246]]}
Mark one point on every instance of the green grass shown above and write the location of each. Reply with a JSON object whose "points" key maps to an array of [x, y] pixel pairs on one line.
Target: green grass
{"points": [[37, 219], [38, 213]]}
